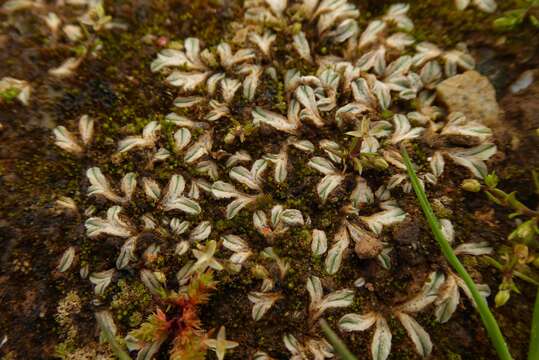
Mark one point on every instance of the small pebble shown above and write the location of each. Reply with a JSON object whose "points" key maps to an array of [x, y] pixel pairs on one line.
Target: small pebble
{"points": [[523, 82], [360, 282]]}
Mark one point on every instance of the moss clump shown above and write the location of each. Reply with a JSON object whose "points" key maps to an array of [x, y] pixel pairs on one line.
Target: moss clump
{"points": [[131, 302], [67, 308], [9, 95]]}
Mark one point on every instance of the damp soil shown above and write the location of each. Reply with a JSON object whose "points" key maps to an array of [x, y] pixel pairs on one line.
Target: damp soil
{"points": [[120, 92]]}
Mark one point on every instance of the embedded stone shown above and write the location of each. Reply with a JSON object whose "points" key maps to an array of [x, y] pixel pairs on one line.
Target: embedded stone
{"points": [[473, 95], [368, 248]]}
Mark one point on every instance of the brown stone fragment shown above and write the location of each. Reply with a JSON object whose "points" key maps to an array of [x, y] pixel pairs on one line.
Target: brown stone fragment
{"points": [[473, 95]]}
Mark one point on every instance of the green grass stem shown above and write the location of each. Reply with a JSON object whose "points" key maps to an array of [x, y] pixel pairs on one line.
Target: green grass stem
{"points": [[488, 319], [336, 342]]}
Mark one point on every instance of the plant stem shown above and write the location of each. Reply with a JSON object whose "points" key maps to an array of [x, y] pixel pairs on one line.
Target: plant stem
{"points": [[517, 273], [533, 354], [488, 319], [336, 342]]}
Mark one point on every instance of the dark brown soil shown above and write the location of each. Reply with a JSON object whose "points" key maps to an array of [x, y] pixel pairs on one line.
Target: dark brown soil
{"points": [[117, 89]]}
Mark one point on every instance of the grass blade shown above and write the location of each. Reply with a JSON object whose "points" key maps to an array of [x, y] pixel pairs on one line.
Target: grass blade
{"points": [[488, 319], [533, 354], [336, 342]]}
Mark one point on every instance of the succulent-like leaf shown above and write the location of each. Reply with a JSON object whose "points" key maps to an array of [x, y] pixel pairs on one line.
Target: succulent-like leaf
{"points": [[458, 125], [448, 230], [389, 216], [488, 6], [455, 59], [66, 203], [184, 204], [250, 83], [187, 101], [400, 41], [381, 340], [66, 260], [229, 59], [426, 296], [382, 92], [131, 142], [305, 95], [260, 223], [292, 344], [220, 344], [345, 30], [86, 129], [151, 189], [437, 164], [245, 177], [328, 184], [238, 246], [314, 287], [238, 157], [67, 68], [336, 252], [161, 155], [283, 265], [263, 41], [448, 300], [128, 185], [319, 304], [425, 52], [182, 138], [201, 232], [229, 88], [127, 253], [205, 257], [223, 190], [319, 242], [371, 32], [152, 282], [484, 289], [99, 185], [362, 193], [292, 217], [200, 148], [263, 301], [462, 4], [113, 225], [417, 334], [280, 162], [322, 164], [302, 46], [175, 188], [403, 129], [187, 81], [182, 247], [179, 227], [474, 158], [474, 248], [238, 204], [274, 120], [101, 280], [357, 322]]}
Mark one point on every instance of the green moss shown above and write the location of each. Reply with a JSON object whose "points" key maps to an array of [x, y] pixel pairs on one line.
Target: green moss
{"points": [[9, 95], [452, 356], [131, 302]]}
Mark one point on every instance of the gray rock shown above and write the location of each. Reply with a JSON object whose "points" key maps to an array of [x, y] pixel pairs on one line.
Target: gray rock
{"points": [[473, 95]]}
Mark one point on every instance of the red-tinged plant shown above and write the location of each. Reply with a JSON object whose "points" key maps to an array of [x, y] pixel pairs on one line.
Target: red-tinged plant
{"points": [[182, 323]]}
